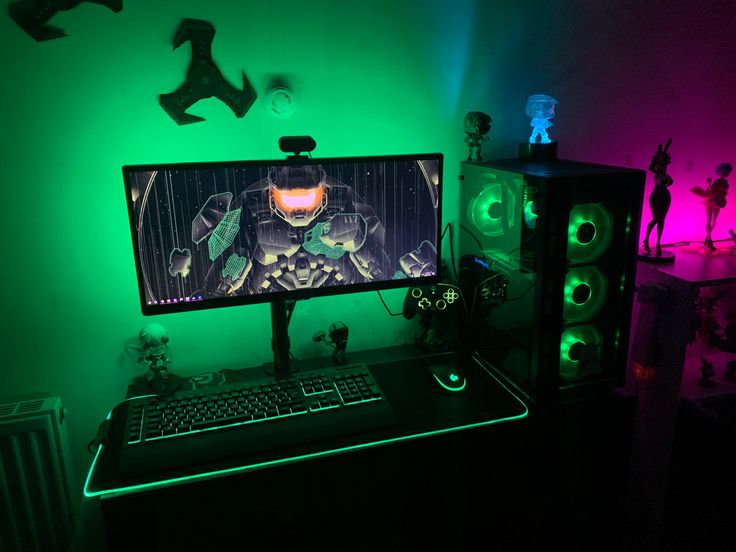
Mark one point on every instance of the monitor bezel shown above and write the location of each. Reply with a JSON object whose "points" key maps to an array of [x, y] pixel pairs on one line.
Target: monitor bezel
{"points": [[240, 300]]}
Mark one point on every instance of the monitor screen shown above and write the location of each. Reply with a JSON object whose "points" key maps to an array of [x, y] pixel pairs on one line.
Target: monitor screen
{"points": [[231, 233]]}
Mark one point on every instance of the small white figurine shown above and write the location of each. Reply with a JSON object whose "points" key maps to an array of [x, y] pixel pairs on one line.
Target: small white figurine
{"points": [[154, 340], [541, 108]]}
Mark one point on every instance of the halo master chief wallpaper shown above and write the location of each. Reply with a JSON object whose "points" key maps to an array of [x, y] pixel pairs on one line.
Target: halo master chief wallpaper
{"points": [[206, 232]]}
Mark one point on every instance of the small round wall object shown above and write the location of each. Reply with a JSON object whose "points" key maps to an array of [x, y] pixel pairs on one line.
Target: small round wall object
{"points": [[281, 102]]}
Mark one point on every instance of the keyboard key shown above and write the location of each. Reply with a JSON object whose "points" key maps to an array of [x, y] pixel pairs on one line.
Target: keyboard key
{"points": [[219, 422], [253, 400]]}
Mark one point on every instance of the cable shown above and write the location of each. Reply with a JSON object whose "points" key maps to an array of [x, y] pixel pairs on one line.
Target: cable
{"points": [[448, 226], [444, 231], [477, 241], [235, 372], [529, 237], [480, 245], [102, 431], [475, 296], [386, 306]]}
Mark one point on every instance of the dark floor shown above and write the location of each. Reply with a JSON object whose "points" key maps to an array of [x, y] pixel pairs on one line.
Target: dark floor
{"points": [[701, 503]]}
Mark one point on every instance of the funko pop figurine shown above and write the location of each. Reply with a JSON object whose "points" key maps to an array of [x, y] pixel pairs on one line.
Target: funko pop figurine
{"points": [[540, 108], [714, 199], [477, 125], [706, 316], [660, 198]]}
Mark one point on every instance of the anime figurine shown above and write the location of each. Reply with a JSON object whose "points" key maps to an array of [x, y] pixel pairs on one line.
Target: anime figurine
{"points": [[714, 199], [338, 340], [477, 125], [708, 330], [540, 108], [154, 340], [707, 372], [660, 198]]}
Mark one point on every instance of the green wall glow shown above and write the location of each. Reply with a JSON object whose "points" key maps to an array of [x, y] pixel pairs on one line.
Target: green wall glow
{"points": [[75, 110]]}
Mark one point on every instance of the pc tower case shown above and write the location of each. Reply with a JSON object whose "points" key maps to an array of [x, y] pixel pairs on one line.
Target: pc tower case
{"points": [[548, 258]]}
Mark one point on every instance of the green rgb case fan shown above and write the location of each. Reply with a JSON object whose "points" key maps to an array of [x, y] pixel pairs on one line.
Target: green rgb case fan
{"points": [[563, 234]]}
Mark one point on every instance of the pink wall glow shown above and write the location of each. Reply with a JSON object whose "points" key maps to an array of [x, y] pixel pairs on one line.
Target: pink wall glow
{"points": [[651, 71], [628, 75]]}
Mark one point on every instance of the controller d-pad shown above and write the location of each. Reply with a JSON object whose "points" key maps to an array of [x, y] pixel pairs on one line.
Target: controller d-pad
{"points": [[416, 293], [485, 292], [450, 296], [441, 305], [424, 303]]}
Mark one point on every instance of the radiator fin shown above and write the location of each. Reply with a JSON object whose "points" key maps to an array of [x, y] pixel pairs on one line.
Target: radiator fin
{"points": [[7, 409], [28, 407], [35, 512]]}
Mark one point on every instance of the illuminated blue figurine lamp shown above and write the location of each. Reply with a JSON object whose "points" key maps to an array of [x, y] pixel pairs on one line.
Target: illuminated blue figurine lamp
{"points": [[540, 108]]}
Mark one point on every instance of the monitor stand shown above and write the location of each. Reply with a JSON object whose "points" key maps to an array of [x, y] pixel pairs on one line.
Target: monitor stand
{"points": [[280, 342]]}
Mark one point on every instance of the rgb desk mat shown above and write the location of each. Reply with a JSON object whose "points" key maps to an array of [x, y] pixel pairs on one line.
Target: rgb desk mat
{"points": [[421, 408]]}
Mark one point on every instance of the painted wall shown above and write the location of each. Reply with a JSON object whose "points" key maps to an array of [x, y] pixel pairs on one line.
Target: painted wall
{"points": [[371, 78]]}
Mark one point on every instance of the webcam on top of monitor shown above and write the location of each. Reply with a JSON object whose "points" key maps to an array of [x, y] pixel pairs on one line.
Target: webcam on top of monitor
{"points": [[297, 144]]}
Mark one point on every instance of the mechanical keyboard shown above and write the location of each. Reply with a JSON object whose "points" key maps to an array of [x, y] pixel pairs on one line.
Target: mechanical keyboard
{"points": [[312, 396]]}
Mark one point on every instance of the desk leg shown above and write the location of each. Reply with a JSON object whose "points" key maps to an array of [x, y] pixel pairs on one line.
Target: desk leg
{"points": [[654, 430]]}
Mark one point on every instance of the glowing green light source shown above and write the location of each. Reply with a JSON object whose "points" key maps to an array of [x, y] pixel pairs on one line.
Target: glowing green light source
{"points": [[167, 480], [488, 209], [580, 349], [454, 377], [586, 291], [589, 232]]}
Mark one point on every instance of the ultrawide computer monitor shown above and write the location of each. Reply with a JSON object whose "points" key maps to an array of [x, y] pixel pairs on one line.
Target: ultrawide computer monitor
{"points": [[217, 234]]}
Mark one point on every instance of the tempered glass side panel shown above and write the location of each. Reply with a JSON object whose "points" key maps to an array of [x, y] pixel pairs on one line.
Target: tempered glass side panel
{"points": [[497, 243]]}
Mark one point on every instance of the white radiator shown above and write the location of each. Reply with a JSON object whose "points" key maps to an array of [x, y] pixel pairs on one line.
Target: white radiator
{"points": [[36, 505]]}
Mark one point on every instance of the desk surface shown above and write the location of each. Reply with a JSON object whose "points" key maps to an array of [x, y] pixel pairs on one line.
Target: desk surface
{"points": [[422, 409], [700, 269]]}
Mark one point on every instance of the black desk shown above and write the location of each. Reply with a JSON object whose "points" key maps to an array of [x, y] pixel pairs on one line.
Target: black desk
{"points": [[239, 500]]}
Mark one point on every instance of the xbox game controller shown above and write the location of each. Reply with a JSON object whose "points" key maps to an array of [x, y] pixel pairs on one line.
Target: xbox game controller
{"points": [[437, 298]]}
